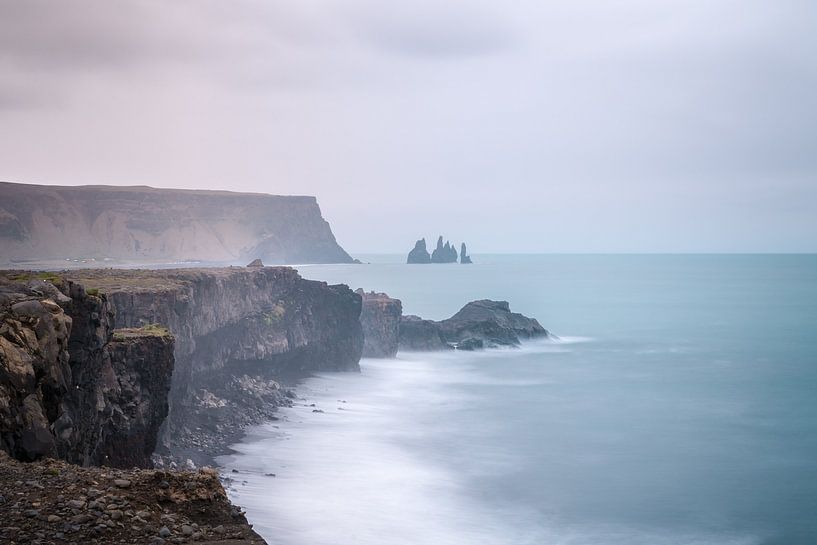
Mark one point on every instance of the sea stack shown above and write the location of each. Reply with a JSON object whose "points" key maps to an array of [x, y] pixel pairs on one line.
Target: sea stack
{"points": [[465, 259], [444, 253], [419, 254]]}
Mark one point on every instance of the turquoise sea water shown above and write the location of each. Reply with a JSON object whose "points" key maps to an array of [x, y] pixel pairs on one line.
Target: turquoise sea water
{"points": [[680, 407]]}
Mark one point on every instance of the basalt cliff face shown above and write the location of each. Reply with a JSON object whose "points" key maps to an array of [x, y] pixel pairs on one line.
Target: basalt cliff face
{"points": [[93, 361], [237, 330], [70, 385], [380, 318], [42, 223]]}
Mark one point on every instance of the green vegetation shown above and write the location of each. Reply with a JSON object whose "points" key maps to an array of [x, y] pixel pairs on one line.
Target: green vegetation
{"points": [[93, 291], [274, 315], [154, 330], [41, 275]]}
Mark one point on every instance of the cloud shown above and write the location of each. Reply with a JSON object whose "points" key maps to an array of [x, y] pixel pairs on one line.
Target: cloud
{"points": [[558, 117], [431, 30]]}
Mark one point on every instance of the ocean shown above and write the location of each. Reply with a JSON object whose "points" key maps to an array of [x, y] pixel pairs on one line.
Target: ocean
{"points": [[679, 406]]}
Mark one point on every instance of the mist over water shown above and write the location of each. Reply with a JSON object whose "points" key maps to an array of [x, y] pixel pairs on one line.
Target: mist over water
{"points": [[679, 407]]}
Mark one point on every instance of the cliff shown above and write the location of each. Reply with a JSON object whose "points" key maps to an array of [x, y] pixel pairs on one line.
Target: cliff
{"points": [[143, 224], [380, 318], [238, 331], [70, 385]]}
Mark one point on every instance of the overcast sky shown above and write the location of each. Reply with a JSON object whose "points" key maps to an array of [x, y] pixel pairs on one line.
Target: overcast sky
{"points": [[532, 126]]}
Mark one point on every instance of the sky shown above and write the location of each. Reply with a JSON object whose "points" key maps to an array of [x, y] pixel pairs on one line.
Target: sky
{"points": [[526, 126]]}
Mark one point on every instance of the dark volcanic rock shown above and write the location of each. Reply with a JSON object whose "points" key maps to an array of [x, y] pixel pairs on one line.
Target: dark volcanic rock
{"points": [[477, 325], [71, 386], [419, 254], [465, 259], [103, 506], [418, 335], [262, 323], [492, 322], [470, 344], [444, 253], [39, 222], [380, 318], [255, 263]]}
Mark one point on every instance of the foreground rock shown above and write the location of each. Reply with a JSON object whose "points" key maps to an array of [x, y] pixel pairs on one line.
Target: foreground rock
{"points": [[238, 332], [53, 502], [72, 386], [380, 318], [479, 324], [39, 222]]}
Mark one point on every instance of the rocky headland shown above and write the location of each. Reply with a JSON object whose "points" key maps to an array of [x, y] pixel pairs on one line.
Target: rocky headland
{"points": [[40, 223], [239, 332], [110, 369], [105, 368]]}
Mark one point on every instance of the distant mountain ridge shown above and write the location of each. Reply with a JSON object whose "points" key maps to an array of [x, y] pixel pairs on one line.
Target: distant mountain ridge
{"points": [[141, 223]]}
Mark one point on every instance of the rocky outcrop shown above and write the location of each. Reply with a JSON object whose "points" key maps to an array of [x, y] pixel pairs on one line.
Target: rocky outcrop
{"points": [[262, 323], [465, 259], [71, 386], [380, 318], [143, 224], [479, 324], [418, 335], [492, 322], [419, 255], [444, 253], [63, 503]]}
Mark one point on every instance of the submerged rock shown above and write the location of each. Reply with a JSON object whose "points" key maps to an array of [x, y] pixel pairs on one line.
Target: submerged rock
{"points": [[419, 254]]}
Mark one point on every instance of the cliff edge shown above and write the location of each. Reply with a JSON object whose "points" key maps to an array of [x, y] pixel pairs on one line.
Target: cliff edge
{"points": [[144, 224]]}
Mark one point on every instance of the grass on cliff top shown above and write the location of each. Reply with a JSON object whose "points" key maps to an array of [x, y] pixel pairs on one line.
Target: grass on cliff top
{"points": [[27, 276], [150, 330]]}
